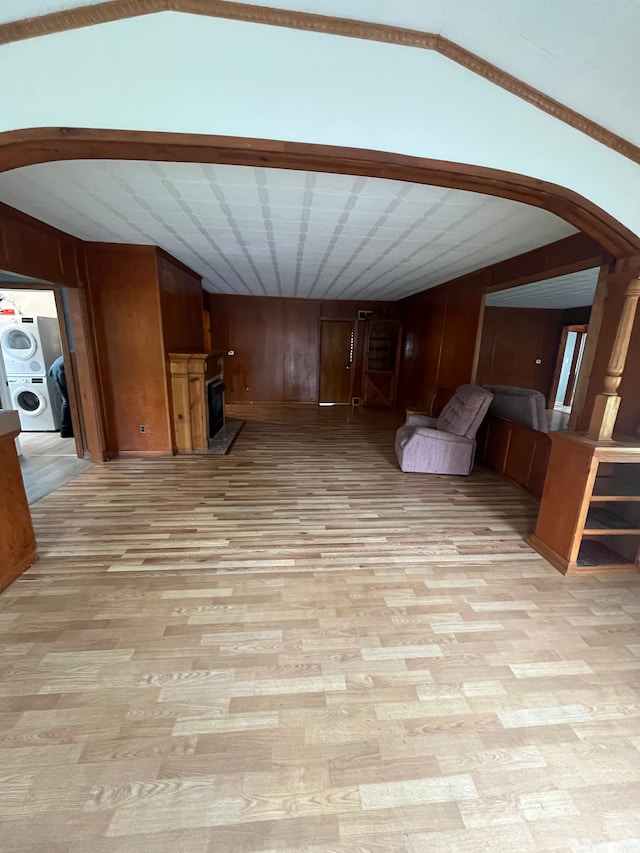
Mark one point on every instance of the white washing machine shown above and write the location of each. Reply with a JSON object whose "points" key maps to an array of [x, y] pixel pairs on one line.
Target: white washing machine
{"points": [[37, 400], [29, 345]]}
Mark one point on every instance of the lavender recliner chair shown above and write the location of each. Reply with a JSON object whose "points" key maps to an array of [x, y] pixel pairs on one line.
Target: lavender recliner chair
{"points": [[444, 445]]}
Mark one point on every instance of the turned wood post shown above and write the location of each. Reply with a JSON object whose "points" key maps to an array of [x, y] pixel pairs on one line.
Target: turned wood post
{"points": [[607, 402]]}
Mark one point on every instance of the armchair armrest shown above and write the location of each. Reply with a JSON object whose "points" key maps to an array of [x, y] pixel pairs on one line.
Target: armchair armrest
{"points": [[421, 419]]}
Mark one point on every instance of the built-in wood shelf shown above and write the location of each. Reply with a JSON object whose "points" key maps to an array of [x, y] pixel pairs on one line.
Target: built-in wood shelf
{"points": [[595, 555], [608, 489], [589, 516], [600, 520]]}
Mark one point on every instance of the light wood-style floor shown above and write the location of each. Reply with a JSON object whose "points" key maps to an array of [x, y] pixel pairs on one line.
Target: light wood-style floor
{"points": [[296, 647], [48, 462]]}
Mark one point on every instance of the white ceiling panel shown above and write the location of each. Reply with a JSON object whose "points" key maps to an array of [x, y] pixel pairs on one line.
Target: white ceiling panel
{"points": [[284, 233], [564, 291]]}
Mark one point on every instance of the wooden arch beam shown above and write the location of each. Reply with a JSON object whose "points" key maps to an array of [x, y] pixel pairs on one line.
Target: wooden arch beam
{"points": [[42, 145]]}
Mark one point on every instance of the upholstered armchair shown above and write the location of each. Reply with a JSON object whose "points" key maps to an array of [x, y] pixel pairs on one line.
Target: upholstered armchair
{"points": [[447, 444]]}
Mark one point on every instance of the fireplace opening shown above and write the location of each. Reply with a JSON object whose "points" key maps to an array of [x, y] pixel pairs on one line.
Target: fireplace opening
{"points": [[215, 406]]}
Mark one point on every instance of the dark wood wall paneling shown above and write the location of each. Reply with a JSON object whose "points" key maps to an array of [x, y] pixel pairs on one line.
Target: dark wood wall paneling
{"points": [[277, 344], [180, 306], [125, 301], [441, 324], [145, 305], [513, 340], [33, 248]]}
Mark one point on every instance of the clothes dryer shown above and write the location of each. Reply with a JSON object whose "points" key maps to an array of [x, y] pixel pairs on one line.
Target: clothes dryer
{"points": [[37, 400], [29, 345]]}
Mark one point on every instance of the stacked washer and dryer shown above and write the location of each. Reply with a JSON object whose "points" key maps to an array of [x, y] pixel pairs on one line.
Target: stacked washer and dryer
{"points": [[29, 346]]}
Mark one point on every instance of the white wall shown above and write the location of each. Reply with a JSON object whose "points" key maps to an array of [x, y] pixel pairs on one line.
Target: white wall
{"points": [[183, 73], [31, 303]]}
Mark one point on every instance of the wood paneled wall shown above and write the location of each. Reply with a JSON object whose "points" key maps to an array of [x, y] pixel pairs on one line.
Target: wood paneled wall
{"points": [[180, 305], [513, 340], [441, 324], [123, 286], [277, 344], [144, 305], [33, 248]]}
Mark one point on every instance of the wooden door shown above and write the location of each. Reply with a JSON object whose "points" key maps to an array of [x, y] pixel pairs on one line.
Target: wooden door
{"points": [[336, 360]]}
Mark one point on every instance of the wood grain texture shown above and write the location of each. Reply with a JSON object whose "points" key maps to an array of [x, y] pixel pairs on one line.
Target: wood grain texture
{"points": [[32, 248], [442, 323], [296, 647], [519, 454], [512, 341], [17, 539], [120, 9], [180, 305], [282, 362], [589, 517], [336, 368], [123, 288], [610, 314]]}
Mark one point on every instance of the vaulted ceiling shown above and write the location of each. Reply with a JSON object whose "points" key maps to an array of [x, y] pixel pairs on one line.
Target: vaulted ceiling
{"points": [[582, 53]]}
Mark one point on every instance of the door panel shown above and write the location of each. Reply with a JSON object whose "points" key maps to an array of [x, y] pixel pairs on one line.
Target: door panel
{"points": [[336, 357]]}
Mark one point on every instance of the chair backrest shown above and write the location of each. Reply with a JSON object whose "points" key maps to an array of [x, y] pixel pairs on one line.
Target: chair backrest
{"points": [[464, 412], [524, 406]]}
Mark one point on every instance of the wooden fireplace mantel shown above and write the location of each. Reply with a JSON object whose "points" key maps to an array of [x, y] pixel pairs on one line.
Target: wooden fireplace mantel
{"points": [[189, 373]]}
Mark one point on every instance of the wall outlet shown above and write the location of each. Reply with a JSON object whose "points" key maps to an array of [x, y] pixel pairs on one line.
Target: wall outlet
{"points": [[355, 401], [143, 427]]}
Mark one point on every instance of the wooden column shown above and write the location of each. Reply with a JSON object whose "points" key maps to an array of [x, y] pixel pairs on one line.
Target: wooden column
{"points": [[17, 539], [607, 402]]}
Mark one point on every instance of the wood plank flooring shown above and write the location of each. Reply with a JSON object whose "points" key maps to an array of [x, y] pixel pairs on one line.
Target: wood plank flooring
{"points": [[296, 647]]}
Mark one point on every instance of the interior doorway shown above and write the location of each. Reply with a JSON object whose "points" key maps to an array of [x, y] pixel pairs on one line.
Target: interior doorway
{"points": [[570, 353], [337, 343], [33, 347]]}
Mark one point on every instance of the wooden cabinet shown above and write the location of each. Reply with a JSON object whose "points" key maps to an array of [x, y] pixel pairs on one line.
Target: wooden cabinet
{"points": [[589, 518], [381, 361], [518, 453], [17, 539]]}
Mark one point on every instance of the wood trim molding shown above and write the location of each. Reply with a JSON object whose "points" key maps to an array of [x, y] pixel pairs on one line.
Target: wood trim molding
{"points": [[40, 145], [116, 10]]}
